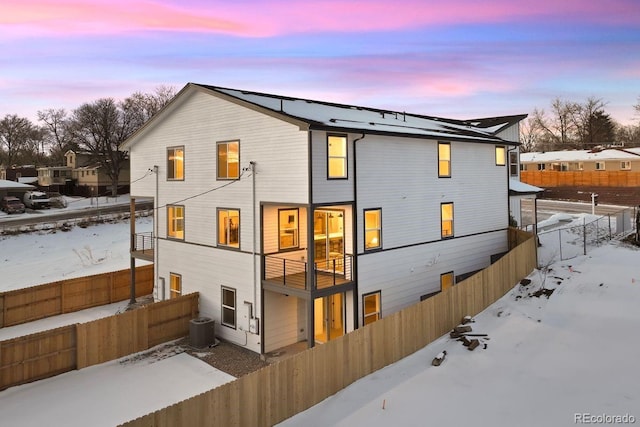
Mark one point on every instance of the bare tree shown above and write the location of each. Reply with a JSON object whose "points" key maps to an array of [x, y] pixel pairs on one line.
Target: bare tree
{"points": [[529, 135], [557, 127], [19, 140], [59, 137], [592, 125]]}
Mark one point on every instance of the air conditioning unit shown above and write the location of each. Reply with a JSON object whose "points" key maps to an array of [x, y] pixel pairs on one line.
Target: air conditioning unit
{"points": [[202, 332]]}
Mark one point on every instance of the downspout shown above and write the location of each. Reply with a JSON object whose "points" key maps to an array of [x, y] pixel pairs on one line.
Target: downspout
{"points": [[311, 334], [355, 234], [156, 248], [253, 250]]}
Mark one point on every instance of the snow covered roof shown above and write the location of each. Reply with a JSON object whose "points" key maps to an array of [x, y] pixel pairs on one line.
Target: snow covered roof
{"points": [[580, 155], [13, 185], [341, 117], [518, 187], [28, 179]]}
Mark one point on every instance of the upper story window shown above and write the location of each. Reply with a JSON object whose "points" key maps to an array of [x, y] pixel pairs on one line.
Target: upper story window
{"points": [[372, 229], [446, 219], [501, 156], [229, 228], [175, 285], [175, 163], [444, 160], [229, 160], [513, 163], [599, 166], [175, 222], [336, 156], [625, 165], [371, 310], [288, 224]]}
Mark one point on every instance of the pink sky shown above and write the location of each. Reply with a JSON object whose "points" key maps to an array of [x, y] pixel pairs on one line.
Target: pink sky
{"points": [[457, 59]]}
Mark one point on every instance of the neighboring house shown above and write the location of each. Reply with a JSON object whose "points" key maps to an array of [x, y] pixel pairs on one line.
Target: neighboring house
{"points": [[15, 189], [612, 159], [15, 173], [81, 176], [301, 220]]}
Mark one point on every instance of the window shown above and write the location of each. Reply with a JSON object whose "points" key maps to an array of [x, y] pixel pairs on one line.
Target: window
{"points": [[175, 163], [229, 160], [513, 163], [501, 156], [444, 160], [175, 283], [580, 166], [371, 307], [446, 217], [288, 219], [541, 166], [175, 222], [372, 229], [337, 156], [564, 166], [229, 307], [599, 166], [625, 165], [229, 228], [446, 281]]}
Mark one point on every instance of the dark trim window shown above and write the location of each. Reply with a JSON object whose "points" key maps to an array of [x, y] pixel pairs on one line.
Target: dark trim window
{"points": [[446, 220], [541, 166], [175, 163], [446, 280], [513, 163], [289, 230], [337, 156], [229, 307], [229, 228], [444, 160], [175, 285], [501, 155], [371, 307], [372, 229], [228, 160], [175, 222]]}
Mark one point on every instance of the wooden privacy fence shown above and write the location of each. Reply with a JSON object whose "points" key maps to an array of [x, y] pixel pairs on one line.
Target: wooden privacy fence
{"points": [[66, 296], [295, 384], [604, 178], [45, 354]]}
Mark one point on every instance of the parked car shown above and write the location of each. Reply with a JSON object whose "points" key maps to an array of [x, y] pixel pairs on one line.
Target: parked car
{"points": [[36, 200], [11, 205]]}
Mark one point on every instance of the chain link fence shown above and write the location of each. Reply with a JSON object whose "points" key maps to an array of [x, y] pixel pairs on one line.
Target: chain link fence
{"points": [[577, 239]]}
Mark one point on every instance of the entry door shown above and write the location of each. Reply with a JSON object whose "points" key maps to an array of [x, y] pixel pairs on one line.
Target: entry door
{"points": [[328, 236], [329, 318]]}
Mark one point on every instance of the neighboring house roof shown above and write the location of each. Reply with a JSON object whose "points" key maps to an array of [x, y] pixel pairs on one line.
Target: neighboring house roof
{"points": [[320, 115], [517, 187], [579, 156], [12, 185]]}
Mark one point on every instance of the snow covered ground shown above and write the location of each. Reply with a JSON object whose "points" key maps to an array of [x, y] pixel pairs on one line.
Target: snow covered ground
{"points": [[39, 257], [570, 358], [545, 360]]}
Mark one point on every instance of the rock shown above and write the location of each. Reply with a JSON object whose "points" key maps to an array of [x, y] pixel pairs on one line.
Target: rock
{"points": [[462, 328], [439, 358], [473, 344], [467, 319], [525, 282]]}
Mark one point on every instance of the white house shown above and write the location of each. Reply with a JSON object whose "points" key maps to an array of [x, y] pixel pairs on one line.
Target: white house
{"points": [[301, 220]]}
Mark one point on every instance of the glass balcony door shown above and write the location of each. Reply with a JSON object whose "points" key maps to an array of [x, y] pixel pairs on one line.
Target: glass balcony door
{"points": [[328, 227]]}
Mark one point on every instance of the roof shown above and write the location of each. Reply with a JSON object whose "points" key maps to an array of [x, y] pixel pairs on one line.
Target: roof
{"points": [[321, 115], [518, 187], [12, 185], [580, 155]]}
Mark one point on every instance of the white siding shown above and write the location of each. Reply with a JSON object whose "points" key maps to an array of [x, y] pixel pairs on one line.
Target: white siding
{"points": [[512, 133], [206, 270], [281, 320], [329, 190], [401, 177], [403, 275]]}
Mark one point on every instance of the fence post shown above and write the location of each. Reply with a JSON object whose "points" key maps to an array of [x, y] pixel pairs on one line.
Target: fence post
{"points": [[609, 215], [560, 241], [584, 235]]}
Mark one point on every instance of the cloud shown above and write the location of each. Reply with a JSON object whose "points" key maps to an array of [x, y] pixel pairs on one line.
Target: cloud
{"points": [[261, 18]]}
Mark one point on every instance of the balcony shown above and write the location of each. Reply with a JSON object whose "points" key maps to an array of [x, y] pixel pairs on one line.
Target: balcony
{"points": [[142, 246], [292, 273]]}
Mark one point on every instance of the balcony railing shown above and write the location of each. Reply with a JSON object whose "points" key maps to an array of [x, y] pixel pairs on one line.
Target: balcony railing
{"points": [[143, 243], [293, 273]]}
